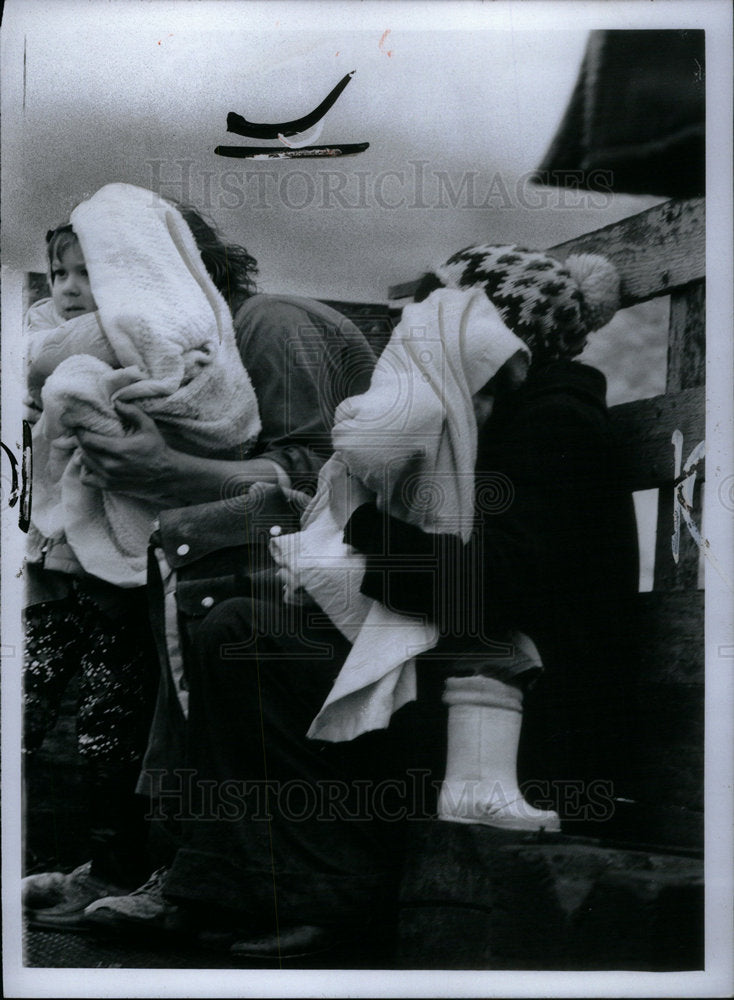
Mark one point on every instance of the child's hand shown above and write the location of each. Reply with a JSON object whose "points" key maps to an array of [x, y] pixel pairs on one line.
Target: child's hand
{"points": [[293, 593], [31, 410]]}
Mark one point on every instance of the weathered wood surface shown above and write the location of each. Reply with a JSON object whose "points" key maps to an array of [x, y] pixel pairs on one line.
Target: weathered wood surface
{"points": [[687, 338], [643, 431], [670, 637], [683, 574], [375, 320], [686, 368], [655, 252], [669, 749], [674, 776]]}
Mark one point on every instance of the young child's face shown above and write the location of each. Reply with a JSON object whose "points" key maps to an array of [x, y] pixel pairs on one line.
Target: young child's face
{"points": [[511, 376], [70, 289]]}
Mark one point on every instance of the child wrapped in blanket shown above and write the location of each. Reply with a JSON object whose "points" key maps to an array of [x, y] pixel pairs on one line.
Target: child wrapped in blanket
{"points": [[165, 342], [408, 448], [133, 318]]}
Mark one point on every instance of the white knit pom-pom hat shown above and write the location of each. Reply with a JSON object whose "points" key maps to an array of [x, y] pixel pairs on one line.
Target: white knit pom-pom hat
{"points": [[551, 306]]}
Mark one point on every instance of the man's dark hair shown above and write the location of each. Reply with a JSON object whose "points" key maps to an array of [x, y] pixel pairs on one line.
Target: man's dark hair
{"points": [[230, 266]]}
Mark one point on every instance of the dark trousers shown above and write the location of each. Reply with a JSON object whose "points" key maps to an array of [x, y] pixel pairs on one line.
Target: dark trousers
{"points": [[277, 827]]}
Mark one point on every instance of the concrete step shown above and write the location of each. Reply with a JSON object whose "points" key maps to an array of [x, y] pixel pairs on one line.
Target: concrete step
{"points": [[477, 898]]}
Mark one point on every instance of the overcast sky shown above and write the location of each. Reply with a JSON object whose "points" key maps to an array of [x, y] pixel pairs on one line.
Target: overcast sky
{"points": [[457, 101]]}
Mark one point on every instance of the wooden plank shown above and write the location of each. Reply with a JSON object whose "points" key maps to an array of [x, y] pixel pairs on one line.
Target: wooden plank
{"points": [[404, 290], [686, 369], [643, 431], [672, 719], [670, 637], [672, 776], [669, 700], [657, 251], [375, 320], [687, 338], [682, 574]]}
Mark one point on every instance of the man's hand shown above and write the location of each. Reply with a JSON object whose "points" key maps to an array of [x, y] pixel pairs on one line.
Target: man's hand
{"points": [[137, 463], [142, 464]]}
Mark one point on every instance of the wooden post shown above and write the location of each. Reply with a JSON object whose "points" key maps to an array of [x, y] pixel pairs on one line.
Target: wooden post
{"points": [[686, 369]]}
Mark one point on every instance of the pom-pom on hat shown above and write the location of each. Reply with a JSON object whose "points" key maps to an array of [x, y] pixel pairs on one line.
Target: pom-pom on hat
{"points": [[551, 306]]}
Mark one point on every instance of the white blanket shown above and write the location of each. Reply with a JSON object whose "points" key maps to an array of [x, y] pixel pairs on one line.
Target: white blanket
{"points": [[410, 442], [171, 334]]}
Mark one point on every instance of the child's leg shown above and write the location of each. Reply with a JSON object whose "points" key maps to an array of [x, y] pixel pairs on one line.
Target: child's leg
{"points": [[119, 672], [54, 643], [118, 675]]}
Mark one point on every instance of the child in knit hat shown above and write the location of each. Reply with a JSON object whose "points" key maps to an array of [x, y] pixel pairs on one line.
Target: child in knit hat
{"points": [[551, 307]]}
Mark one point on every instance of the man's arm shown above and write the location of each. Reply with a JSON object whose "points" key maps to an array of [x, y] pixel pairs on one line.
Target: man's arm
{"points": [[142, 464], [290, 359]]}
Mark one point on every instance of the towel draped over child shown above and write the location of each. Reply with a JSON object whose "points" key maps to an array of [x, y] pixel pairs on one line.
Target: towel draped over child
{"points": [[410, 443], [168, 346]]}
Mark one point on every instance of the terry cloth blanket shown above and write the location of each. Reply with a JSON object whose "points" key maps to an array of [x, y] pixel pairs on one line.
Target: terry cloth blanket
{"points": [[171, 335], [49, 346], [41, 317], [410, 442]]}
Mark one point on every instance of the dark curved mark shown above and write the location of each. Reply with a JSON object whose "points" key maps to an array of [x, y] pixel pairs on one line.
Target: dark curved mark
{"points": [[24, 515], [21, 490], [254, 130], [14, 493], [274, 153]]}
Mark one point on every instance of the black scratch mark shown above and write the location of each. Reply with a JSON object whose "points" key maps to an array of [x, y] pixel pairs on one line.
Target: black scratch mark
{"points": [[264, 130], [21, 490], [13, 498], [273, 153], [24, 516]]}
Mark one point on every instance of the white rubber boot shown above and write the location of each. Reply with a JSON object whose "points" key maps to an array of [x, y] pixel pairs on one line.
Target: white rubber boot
{"points": [[485, 716]]}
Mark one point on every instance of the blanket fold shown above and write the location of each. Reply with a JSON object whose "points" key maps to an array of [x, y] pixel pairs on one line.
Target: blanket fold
{"points": [[409, 443], [172, 342]]}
